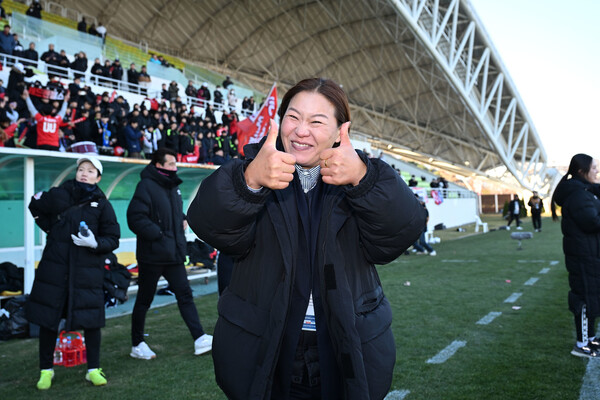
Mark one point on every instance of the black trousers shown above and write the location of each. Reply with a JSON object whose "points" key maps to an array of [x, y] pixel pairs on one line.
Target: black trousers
{"points": [[178, 283], [48, 342], [537, 220], [512, 216]]}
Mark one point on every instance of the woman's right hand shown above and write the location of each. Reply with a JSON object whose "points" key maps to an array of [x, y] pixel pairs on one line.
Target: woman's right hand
{"points": [[271, 168]]}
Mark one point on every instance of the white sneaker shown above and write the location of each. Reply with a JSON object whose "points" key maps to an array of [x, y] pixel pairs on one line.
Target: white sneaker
{"points": [[508, 228], [142, 351], [203, 344], [519, 228], [433, 253]]}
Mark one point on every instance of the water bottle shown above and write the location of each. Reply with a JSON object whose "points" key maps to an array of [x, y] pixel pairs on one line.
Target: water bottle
{"points": [[57, 357], [83, 229], [69, 344], [57, 353]]}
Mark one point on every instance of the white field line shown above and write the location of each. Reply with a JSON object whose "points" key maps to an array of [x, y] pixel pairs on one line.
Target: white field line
{"points": [[590, 388], [532, 261], [531, 281], [554, 262], [489, 318], [513, 297], [397, 395], [544, 270], [448, 352]]}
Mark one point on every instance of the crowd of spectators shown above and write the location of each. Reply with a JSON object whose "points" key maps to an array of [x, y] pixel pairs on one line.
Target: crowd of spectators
{"points": [[112, 124], [111, 74], [106, 120]]}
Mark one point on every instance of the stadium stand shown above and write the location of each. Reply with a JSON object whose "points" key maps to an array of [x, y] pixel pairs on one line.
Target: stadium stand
{"points": [[104, 101], [46, 34], [62, 30]]}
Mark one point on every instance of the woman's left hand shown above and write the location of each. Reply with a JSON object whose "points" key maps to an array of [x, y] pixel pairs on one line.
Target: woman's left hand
{"points": [[341, 165], [85, 241]]}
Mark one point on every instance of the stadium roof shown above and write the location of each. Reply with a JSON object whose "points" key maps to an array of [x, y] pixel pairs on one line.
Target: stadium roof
{"points": [[423, 78]]}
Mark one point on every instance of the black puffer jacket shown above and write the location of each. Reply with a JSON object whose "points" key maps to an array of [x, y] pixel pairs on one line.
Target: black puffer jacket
{"points": [[68, 274], [155, 215], [372, 223], [581, 243]]}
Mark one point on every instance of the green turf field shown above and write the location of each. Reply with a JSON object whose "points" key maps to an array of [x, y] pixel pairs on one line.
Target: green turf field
{"points": [[521, 354]]}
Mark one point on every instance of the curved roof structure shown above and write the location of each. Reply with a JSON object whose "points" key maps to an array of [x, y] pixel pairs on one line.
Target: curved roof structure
{"points": [[423, 78]]}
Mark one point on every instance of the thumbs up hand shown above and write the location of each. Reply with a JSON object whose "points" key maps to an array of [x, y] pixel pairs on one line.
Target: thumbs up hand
{"points": [[341, 165], [271, 168]]}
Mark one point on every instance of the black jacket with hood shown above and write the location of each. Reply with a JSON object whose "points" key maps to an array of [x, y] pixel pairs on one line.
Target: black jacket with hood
{"points": [[372, 223], [155, 215], [581, 242]]}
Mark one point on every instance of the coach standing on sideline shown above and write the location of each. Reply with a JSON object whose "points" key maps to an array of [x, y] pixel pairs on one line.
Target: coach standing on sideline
{"points": [[306, 218], [155, 215]]}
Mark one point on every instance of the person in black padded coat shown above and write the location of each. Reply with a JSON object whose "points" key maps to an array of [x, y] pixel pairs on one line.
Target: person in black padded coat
{"points": [[155, 215], [306, 218], [69, 279], [577, 194]]}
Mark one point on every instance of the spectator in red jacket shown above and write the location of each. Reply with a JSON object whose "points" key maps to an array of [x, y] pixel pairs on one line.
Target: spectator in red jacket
{"points": [[47, 124]]}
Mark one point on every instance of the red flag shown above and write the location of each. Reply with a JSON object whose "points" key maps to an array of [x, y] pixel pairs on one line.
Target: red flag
{"points": [[253, 128]]}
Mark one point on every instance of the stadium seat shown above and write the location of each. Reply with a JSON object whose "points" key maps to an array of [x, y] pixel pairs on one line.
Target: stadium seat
{"points": [[478, 223]]}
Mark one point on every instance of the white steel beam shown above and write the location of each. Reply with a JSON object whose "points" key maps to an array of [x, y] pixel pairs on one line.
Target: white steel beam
{"points": [[497, 110]]}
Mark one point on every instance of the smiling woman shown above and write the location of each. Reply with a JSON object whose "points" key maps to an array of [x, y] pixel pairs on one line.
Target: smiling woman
{"points": [[305, 131], [306, 218]]}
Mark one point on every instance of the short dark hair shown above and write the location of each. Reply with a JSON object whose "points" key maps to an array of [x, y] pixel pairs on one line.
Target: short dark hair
{"points": [[159, 156]]}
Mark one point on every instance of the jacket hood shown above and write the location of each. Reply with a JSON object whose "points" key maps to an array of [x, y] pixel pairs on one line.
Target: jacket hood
{"points": [[567, 188], [150, 172]]}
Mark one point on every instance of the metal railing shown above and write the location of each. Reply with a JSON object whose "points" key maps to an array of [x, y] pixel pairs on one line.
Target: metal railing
{"points": [[110, 83], [44, 33], [87, 76]]}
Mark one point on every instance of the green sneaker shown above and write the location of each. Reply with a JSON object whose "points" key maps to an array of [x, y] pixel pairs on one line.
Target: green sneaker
{"points": [[45, 381], [96, 376]]}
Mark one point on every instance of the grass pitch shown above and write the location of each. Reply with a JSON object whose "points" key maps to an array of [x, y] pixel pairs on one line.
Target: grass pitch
{"points": [[523, 353]]}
